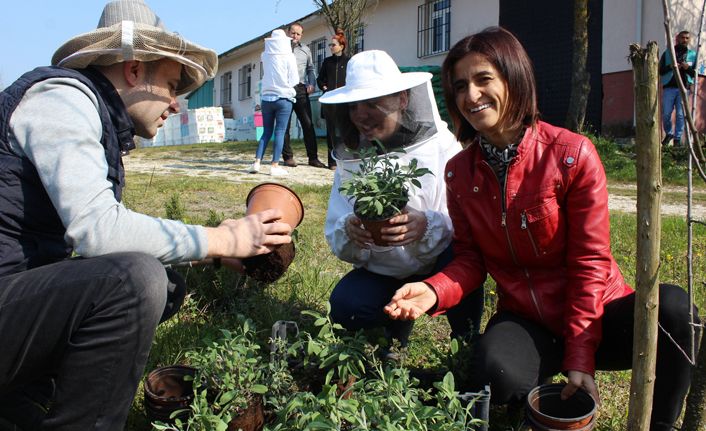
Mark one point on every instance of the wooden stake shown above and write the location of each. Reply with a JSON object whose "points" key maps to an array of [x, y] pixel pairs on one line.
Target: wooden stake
{"points": [[649, 194]]}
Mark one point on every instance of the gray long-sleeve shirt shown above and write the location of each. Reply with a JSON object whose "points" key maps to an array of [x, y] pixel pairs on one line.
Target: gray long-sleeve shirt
{"points": [[57, 126], [305, 65]]}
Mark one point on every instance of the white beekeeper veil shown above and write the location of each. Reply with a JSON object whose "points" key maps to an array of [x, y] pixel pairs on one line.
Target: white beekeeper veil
{"points": [[379, 103]]}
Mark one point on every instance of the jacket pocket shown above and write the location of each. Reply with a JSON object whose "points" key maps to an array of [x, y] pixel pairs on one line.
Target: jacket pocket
{"points": [[543, 227]]}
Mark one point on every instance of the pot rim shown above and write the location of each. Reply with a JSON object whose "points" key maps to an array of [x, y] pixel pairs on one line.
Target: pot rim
{"points": [[292, 192], [555, 389], [188, 370]]}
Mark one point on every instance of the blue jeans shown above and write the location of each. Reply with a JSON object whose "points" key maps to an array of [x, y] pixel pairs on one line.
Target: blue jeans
{"points": [[85, 324], [275, 118], [358, 299], [671, 101]]}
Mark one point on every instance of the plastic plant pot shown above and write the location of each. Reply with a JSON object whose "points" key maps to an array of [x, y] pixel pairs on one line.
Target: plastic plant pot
{"points": [[546, 410], [272, 195], [167, 390]]}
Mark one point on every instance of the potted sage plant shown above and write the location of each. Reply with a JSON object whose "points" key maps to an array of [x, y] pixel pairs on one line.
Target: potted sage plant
{"points": [[381, 188]]}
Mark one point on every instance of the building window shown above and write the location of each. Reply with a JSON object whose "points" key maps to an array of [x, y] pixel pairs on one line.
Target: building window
{"points": [[244, 82], [433, 27], [356, 42], [262, 71], [226, 88], [318, 52]]}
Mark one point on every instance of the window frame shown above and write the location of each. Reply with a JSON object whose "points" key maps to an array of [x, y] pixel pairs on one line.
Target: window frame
{"points": [[318, 53], [245, 82], [433, 28], [227, 88], [357, 45]]}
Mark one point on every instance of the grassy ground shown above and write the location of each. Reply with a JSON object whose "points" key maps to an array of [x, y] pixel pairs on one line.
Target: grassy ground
{"points": [[216, 297]]}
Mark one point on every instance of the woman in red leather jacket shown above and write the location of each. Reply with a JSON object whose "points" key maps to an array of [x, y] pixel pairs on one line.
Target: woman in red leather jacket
{"points": [[529, 206]]}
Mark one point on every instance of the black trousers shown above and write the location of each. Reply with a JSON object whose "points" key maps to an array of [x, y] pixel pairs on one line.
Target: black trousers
{"points": [[302, 107], [330, 115], [77, 333], [514, 355]]}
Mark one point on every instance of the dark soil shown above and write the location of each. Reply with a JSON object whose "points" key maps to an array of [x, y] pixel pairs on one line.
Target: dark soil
{"points": [[252, 419], [268, 268]]}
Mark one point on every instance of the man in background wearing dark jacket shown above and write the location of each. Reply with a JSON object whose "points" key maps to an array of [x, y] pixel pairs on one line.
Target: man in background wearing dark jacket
{"points": [[671, 99], [302, 106]]}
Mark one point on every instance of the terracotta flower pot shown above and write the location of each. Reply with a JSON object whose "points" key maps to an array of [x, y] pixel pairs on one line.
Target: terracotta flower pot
{"points": [[272, 195], [374, 227], [251, 419], [546, 411], [166, 391], [269, 267]]}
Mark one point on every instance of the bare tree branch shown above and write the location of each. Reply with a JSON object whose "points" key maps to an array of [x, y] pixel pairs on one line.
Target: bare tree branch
{"points": [[345, 14]]}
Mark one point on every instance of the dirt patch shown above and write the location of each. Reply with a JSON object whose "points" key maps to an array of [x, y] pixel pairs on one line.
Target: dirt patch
{"points": [[231, 166], [224, 165]]}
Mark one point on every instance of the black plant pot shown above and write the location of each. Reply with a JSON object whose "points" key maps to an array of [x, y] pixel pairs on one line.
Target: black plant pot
{"points": [[167, 390]]}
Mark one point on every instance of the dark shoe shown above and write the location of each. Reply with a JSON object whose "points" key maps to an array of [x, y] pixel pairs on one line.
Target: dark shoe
{"points": [[290, 163], [332, 167], [317, 163], [667, 139]]}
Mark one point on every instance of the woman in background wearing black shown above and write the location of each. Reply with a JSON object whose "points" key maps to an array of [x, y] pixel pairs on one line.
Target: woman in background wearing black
{"points": [[332, 75]]}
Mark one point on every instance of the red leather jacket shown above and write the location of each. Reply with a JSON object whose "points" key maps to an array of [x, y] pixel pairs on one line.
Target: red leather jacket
{"points": [[545, 241]]}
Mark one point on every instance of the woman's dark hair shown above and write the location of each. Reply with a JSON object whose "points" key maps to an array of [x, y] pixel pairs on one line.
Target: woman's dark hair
{"points": [[502, 49], [340, 36]]}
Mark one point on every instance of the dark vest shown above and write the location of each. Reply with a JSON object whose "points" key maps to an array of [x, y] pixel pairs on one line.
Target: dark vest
{"points": [[31, 232]]}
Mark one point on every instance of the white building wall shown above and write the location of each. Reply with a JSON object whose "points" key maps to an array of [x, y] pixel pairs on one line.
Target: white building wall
{"points": [[472, 16], [640, 21], [392, 27]]}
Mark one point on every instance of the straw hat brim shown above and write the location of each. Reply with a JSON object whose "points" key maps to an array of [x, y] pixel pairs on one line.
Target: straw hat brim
{"points": [[352, 92], [103, 47]]}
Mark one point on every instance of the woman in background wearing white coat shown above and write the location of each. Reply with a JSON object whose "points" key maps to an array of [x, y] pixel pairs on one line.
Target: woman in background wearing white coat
{"points": [[278, 81]]}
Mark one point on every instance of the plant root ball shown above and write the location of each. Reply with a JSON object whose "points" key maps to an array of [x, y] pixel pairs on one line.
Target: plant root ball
{"points": [[268, 268]]}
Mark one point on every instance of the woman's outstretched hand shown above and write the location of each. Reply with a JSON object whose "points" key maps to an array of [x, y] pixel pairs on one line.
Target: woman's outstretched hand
{"points": [[411, 301]]}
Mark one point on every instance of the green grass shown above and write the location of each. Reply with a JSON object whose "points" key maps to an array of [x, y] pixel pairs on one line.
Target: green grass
{"points": [[216, 297], [619, 163]]}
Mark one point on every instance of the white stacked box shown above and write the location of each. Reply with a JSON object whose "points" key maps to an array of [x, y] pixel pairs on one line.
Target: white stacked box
{"points": [[193, 126], [206, 125]]}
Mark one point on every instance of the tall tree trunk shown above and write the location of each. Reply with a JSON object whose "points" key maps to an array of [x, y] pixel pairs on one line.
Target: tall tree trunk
{"points": [[580, 86], [649, 193]]}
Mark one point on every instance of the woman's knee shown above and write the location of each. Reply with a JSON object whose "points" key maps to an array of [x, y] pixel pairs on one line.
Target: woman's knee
{"points": [[353, 312], [342, 311], [674, 306], [674, 312]]}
